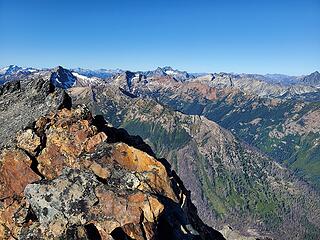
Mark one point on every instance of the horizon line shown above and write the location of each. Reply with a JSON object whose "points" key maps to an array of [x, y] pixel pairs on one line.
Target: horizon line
{"points": [[145, 70]]}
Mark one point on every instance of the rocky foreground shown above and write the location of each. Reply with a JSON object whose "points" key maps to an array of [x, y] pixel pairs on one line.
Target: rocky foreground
{"points": [[69, 176]]}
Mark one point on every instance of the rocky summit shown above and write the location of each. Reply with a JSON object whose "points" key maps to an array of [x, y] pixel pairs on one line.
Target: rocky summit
{"points": [[69, 176]]}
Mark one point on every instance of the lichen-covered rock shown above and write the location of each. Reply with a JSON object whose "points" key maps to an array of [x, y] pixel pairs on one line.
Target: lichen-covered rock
{"points": [[76, 183], [28, 141], [63, 201]]}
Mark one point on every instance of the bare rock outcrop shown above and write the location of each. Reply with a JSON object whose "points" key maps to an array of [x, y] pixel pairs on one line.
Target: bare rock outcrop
{"points": [[69, 177], [22, 102]]}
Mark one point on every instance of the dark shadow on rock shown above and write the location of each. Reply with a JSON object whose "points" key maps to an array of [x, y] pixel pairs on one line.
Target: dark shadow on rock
{"points": [[188, 206], [119, 234], [92, 232], [66, 101], [187, 218], [31, 216], [121, 135], [127, 93]]}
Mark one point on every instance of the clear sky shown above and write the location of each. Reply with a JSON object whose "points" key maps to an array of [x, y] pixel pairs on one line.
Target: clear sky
{"points": [[257, 36]]}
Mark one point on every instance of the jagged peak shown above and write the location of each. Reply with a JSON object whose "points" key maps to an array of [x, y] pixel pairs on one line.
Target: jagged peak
{"points": [[62, 77], [59, 68], [10, 69], [312, 79]]}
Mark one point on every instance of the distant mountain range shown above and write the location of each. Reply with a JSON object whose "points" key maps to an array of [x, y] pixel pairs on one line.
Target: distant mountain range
{"points": [[14, 72], [246, 145], [313, 79]]}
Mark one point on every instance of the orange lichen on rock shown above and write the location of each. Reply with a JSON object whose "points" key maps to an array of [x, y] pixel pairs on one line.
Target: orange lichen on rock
{"points": [[28, 141], [95, 140], [152, 170], [69, 134]]}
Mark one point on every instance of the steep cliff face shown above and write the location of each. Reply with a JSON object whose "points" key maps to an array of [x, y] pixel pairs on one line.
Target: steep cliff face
{"points": [[69, 176]]}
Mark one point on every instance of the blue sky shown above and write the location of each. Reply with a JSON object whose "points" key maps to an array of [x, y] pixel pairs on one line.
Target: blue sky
{"points": [[257, 36]]}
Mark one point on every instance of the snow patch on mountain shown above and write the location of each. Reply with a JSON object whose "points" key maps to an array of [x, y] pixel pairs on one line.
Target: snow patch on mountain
{"points": [[83, 81], [62, 78], [99, 73]]}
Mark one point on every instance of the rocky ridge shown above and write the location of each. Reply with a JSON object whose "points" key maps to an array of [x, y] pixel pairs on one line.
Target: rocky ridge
{"points": [[67, 175], [21, 102]]}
